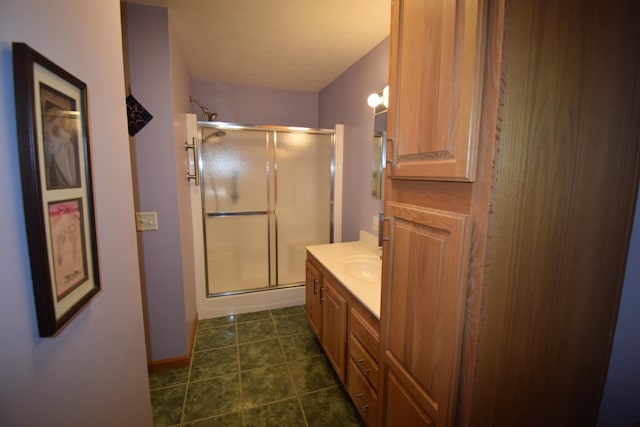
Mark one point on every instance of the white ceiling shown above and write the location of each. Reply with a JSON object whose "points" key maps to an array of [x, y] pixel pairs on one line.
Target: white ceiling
{"points": [[285, 44]]}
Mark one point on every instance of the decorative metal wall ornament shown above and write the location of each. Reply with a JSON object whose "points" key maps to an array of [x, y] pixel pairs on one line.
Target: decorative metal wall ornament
{"points": [[137, 115]]}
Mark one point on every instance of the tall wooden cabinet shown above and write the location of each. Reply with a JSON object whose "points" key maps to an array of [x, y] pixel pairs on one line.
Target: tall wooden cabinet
{"points": [[514, 132], [436, 84]]}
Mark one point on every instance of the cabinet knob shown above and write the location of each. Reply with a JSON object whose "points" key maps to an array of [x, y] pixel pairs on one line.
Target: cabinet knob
{"points": [[361, 403], [360, 364]]}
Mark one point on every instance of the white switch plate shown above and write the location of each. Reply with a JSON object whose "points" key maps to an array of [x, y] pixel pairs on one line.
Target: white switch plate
{"points": [[375, 222], [146, 221]]}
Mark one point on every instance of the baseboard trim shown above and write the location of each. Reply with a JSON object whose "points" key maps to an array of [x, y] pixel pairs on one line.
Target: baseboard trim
{"points": [[175, 362]]}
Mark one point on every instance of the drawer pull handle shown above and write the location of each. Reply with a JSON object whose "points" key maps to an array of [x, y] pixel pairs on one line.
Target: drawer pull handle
{"points": [[361, 403], [321, 294], [364, 370], [389, 150]]}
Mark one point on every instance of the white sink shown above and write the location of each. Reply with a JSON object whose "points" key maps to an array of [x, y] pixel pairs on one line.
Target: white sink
{"points": [[364, 267]]}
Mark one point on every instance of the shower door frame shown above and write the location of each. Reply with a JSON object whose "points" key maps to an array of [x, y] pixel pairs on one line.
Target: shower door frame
{"points": [[274, 170]]}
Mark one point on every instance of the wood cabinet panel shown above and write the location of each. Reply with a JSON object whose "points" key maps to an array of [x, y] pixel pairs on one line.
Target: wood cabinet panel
{"points": [[365, 328], [313, 306], [334, 327], [363, 362], [363, 372], [364, 397], [423, 316], [435, 88], [567, 176], [400, 408]]}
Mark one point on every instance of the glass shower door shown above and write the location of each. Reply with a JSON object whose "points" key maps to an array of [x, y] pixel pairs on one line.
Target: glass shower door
{"points": [[237, 209], [303, 208], [266, 196]]}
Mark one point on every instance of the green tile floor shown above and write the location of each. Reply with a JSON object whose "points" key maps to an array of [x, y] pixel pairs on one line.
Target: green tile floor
{"points": [[257, 369]]}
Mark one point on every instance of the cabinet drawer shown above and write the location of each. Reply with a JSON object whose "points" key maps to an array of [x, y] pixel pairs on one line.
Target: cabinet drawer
{"points": [[364, 397], [363, 362], [367, 333]]}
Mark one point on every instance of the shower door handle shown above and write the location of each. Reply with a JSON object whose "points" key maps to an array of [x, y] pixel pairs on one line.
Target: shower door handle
{"points": [[196, 168]]}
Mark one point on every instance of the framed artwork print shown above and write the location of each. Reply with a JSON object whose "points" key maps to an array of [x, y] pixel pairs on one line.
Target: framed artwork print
{"points": [[55, 168]]}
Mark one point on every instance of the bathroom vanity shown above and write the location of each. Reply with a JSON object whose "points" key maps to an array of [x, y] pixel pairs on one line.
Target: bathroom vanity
{"points": [[343, 308]]}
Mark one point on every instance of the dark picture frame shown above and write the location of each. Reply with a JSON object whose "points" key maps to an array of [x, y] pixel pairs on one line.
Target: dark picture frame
{"points": [[55, 168]]}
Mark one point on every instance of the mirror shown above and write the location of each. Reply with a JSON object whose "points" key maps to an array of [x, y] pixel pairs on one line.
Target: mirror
{"points": [[379, 154]]}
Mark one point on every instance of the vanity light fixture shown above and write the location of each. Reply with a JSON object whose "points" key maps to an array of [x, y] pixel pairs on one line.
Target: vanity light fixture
{"points": [[374, 100], [379, 101]]}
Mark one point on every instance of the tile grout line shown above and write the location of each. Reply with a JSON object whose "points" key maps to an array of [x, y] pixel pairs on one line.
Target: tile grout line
{"points": [[242, 416], [289, 363], [304, 415], [186, 389]]}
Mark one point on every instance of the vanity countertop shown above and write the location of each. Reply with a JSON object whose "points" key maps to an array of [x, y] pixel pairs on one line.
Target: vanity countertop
{"points": [[333, 255]]}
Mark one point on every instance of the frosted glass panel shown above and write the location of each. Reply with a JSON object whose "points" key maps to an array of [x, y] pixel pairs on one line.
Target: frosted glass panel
{"points": [[234, 170], [303, 183], [237, 253], [266, 195]]}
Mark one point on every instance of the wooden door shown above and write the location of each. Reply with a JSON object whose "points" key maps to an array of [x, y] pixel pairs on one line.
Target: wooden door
{"points": [[423, 298], [435, 88], [334, 327], [312, 298]]}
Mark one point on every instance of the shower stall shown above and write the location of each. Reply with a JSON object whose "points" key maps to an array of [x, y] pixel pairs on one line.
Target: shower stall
{"points": [[266, 192]]}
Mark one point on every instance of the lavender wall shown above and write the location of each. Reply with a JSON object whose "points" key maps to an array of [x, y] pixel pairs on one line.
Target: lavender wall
{"points": [[255, 105], [158, 181], [180, 90], [621, 401], [94, 372], [345, 101]]}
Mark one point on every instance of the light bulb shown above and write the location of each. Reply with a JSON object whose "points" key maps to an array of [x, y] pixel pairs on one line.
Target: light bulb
{"points": [[373, 100], [385, 96]]}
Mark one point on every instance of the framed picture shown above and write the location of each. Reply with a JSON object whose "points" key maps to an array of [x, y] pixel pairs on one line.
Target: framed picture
{"points": [[55, 167]]}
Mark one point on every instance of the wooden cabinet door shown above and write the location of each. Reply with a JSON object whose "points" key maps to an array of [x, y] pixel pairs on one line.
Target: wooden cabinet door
{"points": [[312, 298], [435, 87], [402, 409], [423, 300], [334, 328]]}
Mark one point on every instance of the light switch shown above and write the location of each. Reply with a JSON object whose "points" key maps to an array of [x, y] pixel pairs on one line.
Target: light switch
{"points": [[146, 221], [376, 221]]}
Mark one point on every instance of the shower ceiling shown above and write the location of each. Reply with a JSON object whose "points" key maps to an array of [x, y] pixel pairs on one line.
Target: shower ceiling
{"points": [[298, 45]]}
